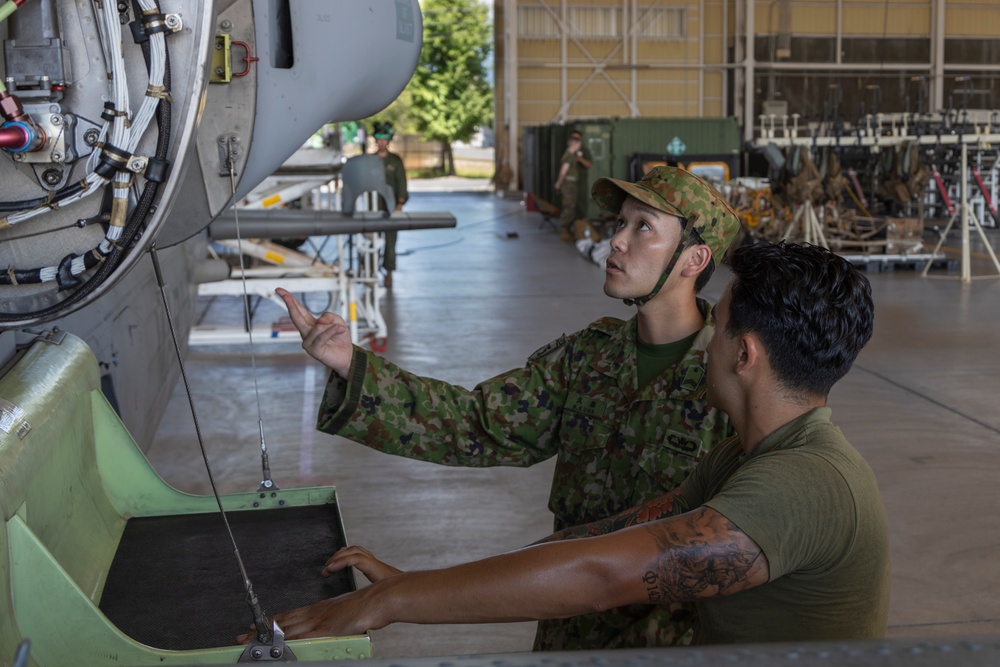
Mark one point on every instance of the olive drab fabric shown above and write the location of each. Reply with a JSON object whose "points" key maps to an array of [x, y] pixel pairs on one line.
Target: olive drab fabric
{"points": [[681, 193], [576, 178], [576, 399]]}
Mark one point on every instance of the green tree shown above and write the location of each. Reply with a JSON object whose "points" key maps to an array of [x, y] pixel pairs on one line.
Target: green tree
{"points": [[450, 94], [398, 113]]}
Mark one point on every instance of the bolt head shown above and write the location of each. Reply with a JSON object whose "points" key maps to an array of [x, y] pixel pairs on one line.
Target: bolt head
{"points": [[275, 652], [256, 654], [57, 157], [219, 71], [56, 119]]}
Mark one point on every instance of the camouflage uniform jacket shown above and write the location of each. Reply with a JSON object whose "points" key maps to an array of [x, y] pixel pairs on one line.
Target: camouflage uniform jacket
{"points": [[575, 399]]}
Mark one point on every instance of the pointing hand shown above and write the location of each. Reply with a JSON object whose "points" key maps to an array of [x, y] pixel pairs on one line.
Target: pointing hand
{"points": [[326, 338]]}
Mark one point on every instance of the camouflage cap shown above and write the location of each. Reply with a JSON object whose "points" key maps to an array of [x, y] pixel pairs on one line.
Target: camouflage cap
{"points": [[681, 193]]}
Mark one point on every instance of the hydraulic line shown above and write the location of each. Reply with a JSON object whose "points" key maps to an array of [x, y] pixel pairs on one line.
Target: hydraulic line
{"points": [[136, 220]]}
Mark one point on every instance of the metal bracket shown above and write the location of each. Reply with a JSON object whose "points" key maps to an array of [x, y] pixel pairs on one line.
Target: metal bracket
{"points": [[273, 651], [230, 151], [222, 60], [174, 22], [137, 164]]}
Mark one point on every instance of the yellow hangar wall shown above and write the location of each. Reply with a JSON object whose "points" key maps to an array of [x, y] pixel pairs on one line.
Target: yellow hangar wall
{"points": [[623, 61], [562, 60]]}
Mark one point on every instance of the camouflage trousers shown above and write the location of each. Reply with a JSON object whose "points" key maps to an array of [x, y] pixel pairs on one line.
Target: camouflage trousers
{"points": [[634, 626], [567, 214]]}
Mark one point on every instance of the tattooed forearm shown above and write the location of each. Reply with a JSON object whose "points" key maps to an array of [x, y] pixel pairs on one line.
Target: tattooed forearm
{"points": [[702, 554]]}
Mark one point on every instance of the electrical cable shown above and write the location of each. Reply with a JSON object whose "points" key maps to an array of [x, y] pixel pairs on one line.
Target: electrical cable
{"points": [[136, 220]]}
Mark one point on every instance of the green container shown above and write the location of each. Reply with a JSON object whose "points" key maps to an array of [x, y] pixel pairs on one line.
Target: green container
{"points": [[681, 139], [597, 136], [623, 147]]}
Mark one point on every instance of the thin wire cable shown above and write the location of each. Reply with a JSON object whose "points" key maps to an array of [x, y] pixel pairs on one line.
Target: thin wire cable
{"points": [[266, 482], [194, 412]]}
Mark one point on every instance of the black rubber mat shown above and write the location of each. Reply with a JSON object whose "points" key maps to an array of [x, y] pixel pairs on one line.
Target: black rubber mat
{"points": [[175, 583]]}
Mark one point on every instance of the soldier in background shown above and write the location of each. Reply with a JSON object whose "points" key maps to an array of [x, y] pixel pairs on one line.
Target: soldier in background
{"points": [[572, 176], [395, 176], [621, 404]]}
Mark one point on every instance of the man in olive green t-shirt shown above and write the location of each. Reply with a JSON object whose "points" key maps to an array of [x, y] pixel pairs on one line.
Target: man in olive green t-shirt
{"points": [[778, 534]]}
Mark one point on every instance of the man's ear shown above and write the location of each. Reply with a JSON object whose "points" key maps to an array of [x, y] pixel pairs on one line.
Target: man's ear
{"points": [[695, 259], [751, 353]]}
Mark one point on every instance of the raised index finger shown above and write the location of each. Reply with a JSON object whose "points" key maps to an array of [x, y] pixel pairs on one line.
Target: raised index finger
{"points": [[301, 317]]}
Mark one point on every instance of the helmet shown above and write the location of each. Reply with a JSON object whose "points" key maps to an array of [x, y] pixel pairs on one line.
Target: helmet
{"points": [[705, 212]]}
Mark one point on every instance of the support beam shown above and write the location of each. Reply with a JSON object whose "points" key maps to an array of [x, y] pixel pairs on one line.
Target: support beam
{"points": [[937, 57], [748, 70], [511, 100]]}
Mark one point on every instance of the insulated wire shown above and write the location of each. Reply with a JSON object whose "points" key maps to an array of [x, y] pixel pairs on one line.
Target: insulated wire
{"points": [[124, 134]]}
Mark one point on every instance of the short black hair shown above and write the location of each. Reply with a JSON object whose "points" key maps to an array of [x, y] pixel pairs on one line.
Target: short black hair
{"points": [[576, 132], [811, 308]]}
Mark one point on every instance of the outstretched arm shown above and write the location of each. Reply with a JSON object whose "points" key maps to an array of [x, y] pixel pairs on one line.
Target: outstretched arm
{"points": [[695, 555], [658, 508]]}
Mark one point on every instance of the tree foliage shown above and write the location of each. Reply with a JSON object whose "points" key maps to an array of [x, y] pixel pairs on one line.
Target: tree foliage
{"points": [[450, 94]]}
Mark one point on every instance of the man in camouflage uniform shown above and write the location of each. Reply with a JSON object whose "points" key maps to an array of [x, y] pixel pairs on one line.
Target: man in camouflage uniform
{"points": [[620, 404], [395, 176], [572, 176]]}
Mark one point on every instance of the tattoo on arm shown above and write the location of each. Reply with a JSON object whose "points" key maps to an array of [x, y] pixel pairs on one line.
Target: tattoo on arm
{"points": [[702, 554]]}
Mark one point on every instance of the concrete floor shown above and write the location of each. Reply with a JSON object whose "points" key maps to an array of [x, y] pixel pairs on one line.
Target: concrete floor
{"points": [[920, 404]]}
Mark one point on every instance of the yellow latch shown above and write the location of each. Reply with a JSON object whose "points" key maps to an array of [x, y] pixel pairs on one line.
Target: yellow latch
{"points": [[222, 60]]}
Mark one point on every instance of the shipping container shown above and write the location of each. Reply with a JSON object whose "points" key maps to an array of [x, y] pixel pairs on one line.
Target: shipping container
{"points": [[626, 148]]}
